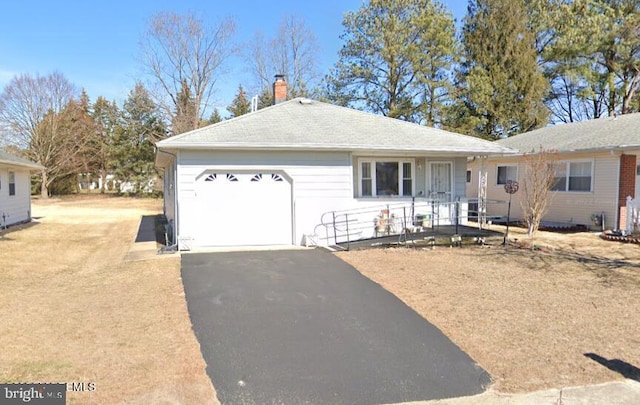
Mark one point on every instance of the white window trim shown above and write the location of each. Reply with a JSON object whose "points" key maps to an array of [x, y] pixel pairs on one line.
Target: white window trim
{"points": [[453, 169], [372, 162], [10, 183], [567, 164], [507, 165]]}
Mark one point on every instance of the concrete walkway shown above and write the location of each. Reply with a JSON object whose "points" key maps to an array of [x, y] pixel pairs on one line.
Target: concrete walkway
{"points": [[612, 393]]}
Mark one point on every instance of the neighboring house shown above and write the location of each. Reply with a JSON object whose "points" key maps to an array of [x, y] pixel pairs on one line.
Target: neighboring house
{"points": [[268, 176], [15, 188], [598, 167]]}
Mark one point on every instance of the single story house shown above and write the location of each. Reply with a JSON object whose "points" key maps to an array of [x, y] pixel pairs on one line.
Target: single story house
{"points": [[15, 188], [267, 177], [597, 167]]}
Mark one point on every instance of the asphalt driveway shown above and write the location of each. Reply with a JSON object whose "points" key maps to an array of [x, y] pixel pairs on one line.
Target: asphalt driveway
{"points": [[304, 327]]}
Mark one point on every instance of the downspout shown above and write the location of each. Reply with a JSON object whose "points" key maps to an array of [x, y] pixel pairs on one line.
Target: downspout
{"points": [[617, 205], [175, 201]]}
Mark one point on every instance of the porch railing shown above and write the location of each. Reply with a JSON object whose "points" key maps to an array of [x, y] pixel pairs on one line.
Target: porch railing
{"points": [[401, 219]]}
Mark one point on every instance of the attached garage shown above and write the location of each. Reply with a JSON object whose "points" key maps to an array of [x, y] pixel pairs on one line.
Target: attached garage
{"points": [[243, 208]]}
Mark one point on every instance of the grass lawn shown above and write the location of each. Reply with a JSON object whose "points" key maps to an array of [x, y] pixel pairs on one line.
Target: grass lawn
{"points": [[528, 317], [73, 310]]}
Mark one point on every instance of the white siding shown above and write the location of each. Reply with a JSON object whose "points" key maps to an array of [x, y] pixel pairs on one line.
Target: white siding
{"points": [[321, 182], [15, 208], [565, 207]]}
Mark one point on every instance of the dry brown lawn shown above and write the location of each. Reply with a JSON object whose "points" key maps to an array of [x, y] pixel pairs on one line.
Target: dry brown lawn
{"points": [[527, 317], [73, 310]]}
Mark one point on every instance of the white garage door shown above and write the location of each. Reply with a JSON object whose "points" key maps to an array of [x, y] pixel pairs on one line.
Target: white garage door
{"points": [[244, 209]]}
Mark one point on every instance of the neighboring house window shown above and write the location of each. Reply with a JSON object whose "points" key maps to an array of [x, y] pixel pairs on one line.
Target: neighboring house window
{"points": [[573, 176], [506, 173], [12, 183], [386, 178], [468, 176]]}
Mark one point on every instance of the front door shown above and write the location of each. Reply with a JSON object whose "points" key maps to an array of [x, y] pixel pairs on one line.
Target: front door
{"points": [[441, 186]]}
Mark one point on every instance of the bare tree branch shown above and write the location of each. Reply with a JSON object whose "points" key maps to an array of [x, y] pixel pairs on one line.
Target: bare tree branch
{"points": [[30, 114], [179, 50]]}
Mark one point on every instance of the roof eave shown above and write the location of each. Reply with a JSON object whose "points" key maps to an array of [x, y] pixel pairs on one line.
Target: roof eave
{"points": [[31, 166], [337, 148], [611, 149]]}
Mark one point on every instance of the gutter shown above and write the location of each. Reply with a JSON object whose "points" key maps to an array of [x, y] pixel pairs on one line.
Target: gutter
{"points": [[611, 149], [337, 148]]}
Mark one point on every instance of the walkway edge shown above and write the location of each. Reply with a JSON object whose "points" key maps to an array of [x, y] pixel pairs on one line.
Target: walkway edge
{"points": [[611, 393]]}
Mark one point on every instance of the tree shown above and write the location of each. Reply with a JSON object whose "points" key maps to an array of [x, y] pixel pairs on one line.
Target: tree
{"points": [[240, 104], [593, 63], [214, 118], [182, 53], [133, 150], [292, 52], [396, 59], [106, 116], [185, 111], [501, 87], [30, 108], [79, 127], [538, 179]]}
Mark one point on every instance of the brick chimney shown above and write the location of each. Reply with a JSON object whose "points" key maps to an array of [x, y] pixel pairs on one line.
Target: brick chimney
{"points": [[279, 90]]}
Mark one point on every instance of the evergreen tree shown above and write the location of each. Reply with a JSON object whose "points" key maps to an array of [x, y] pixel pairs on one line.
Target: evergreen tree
{"points": [[593, 61], [106, 116], [73, 130], [396, 59], [133, 150], [501, 88], [240, 104], [186, 116], [214, 118]]}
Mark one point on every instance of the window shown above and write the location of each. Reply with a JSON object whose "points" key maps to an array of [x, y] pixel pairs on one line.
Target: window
{"points": [[386, 178], [573, 176], [506, 173], [367, 179], [468, 176], [580, 176], [12, 183], [560, 177]]}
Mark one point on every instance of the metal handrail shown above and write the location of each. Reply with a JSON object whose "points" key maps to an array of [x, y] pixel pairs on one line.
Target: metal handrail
{"points": [[347, 225]]}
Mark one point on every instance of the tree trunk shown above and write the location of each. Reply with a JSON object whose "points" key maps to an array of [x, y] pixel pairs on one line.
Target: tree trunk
{"points": [[44, 191], [103, 181]]}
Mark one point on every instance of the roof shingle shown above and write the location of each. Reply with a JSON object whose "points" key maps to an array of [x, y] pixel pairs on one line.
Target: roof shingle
{"points": [[597, 134], [10, 159], [301, 124]]}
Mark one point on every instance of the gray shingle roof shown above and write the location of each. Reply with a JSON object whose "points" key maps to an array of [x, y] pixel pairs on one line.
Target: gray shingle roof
{"points": [[598, 134], [9, 159], [301, 124]]}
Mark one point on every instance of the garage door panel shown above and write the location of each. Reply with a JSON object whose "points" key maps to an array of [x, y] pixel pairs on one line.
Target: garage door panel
{"points": [[244, 209]]}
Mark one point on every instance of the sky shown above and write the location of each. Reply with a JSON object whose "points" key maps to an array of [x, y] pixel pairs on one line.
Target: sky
{"points": [[94, 44]]}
